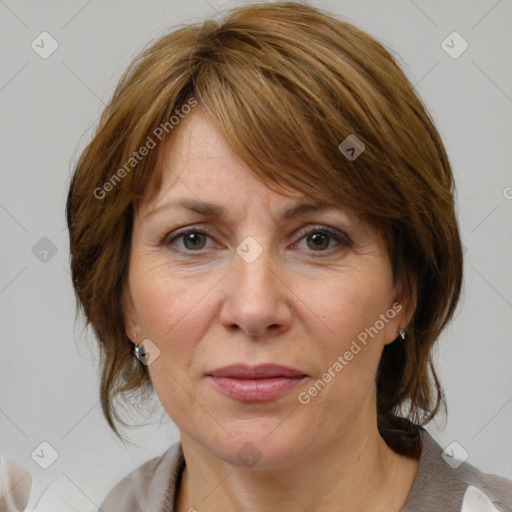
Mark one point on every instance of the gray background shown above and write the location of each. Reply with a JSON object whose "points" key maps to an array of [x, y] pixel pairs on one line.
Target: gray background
{"points": [[49, 382]]}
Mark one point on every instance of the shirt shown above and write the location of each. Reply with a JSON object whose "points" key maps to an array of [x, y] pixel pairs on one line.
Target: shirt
{"points": [[441, 485]]}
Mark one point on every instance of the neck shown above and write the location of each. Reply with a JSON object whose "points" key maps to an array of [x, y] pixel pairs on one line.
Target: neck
{"points": [[358, 473]]}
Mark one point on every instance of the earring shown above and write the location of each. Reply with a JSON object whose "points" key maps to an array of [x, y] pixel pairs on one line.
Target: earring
{"points": [[138, 350], [402, 333]]}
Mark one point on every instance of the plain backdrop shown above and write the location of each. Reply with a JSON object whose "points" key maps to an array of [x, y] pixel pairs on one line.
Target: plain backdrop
{"points": [[49, 107]]}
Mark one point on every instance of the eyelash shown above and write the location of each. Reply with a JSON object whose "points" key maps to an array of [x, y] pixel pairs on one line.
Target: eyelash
{"points": [[340, 237]]}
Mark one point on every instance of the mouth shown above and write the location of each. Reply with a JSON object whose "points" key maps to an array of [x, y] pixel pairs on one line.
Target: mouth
{"points": [[255, 384]]}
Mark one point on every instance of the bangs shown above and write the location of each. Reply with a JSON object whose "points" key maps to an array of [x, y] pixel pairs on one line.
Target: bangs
{"points": [[286, 120]]}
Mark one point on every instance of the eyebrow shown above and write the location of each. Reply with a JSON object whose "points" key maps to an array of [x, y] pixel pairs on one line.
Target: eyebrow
{"points": [[210, 209]]}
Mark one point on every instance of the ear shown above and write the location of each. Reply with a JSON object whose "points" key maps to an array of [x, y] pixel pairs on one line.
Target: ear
{"points": [[404, 305], [131, 324], [408, 302]]}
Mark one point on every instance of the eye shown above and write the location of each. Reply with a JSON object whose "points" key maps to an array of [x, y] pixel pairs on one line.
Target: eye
{"points": [[192, 239], [319, 239]]}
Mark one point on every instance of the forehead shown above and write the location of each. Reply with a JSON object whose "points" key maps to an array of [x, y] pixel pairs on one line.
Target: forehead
{"points": [[200, 172], [197, 162]]}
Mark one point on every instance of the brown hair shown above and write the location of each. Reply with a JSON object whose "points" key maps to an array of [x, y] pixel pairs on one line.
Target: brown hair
{"points": [[286, 83]]}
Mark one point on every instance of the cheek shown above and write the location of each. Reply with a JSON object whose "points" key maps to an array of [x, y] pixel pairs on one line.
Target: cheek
{"points": [[164, 301], [346, 306], [168, 309], [346, 349], [174, 310]]}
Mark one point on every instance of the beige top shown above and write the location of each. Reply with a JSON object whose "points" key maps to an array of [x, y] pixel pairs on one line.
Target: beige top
{"points": [[439, 486]]}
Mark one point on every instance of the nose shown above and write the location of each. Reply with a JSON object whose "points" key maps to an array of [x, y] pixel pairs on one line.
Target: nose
{"points": [[257, 300]]}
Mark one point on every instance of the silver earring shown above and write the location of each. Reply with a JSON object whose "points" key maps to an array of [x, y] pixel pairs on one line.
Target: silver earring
{"points": [[139, 353], [138, 350], [402, 333]]}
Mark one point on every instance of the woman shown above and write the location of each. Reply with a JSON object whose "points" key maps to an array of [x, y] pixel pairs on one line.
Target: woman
{"points": [[263, 233]]}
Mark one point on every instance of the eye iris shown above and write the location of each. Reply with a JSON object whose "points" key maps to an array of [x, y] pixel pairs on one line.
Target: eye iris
{"points": [[320, 240], [194, 238]]}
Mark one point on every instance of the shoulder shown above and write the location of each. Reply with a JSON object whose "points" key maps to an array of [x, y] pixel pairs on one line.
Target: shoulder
{"points": [[446, 483], [149, 487], [498, 488]]}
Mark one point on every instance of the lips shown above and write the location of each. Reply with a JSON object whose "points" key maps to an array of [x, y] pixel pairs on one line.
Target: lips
{"points": [[255, 384], [262, 371]]}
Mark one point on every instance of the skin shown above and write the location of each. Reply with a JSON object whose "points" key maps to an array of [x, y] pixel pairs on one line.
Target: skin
{"points": [[298, 305]]}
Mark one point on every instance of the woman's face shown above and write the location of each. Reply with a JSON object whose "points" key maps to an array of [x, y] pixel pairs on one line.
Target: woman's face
{"points": [[248, 286]]}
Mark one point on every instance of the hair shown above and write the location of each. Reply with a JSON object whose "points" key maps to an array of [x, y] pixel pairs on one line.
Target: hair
{"points": [[286, 83]]}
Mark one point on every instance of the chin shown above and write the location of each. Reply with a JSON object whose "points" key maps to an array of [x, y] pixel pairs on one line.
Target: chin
{"points": [[261, 442]]}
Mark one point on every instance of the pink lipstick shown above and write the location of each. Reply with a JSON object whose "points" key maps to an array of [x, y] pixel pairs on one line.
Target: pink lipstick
{"points": [[255, 384]]}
